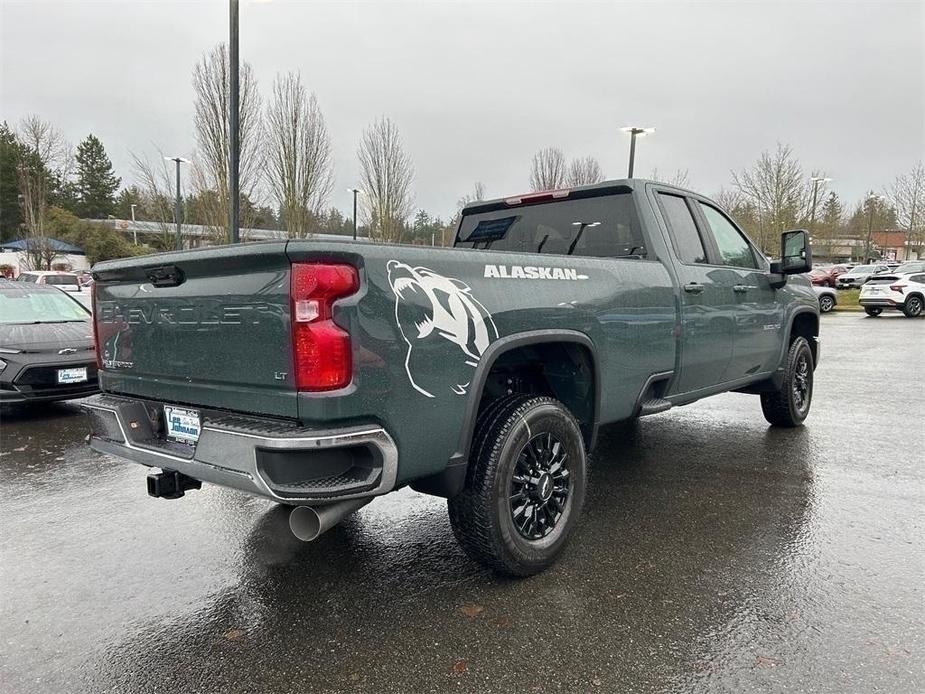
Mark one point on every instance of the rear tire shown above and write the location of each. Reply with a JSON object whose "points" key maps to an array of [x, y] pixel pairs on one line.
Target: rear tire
{"points": [[789, 406], [525, 485], [913, 307], [873, 311]]}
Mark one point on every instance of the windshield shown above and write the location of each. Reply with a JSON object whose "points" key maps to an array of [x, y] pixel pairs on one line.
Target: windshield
{"points": [[910, 267], [603, 226], [40, 307], [861, 268]]}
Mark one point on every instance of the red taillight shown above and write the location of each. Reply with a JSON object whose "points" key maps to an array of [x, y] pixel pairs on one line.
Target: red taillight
{"points": [[897, 287], [321, 350], [96, 329]]}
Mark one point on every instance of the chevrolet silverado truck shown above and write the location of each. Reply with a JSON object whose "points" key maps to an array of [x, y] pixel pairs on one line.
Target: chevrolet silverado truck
{"points": [[323, 374]]}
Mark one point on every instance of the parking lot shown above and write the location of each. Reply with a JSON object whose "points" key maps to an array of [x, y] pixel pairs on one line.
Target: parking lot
{"points": [[715, 554]]}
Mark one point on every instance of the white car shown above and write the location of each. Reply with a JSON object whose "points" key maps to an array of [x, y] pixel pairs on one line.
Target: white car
{"points": [[65, 281], [858, 275], [905, 292], [828, 298]]}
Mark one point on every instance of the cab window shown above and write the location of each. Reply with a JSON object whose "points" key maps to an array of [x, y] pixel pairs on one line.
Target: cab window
{"points": [[684, 235], [734, 249]]}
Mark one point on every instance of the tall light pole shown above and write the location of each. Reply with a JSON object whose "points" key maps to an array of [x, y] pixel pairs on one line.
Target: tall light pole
{"points": [[134, 230], [234, 142], [817, 181], [634, 131], [176, 211], [355, 191], [872, 200]]}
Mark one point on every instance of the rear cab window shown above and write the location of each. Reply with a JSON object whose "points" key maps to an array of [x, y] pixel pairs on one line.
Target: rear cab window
{"points": [[61, 280], [602, 226], [685, 238]]}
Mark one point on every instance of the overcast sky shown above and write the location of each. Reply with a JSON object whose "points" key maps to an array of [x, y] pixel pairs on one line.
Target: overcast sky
{"points": [[476, 88]]}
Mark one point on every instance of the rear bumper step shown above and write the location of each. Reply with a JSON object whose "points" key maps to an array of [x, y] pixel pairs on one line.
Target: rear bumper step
{"points": [[278, 460]]}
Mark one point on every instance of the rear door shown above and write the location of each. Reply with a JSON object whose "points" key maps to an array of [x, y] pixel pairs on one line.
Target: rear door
{"points": [[207, 328], [707, 318]]}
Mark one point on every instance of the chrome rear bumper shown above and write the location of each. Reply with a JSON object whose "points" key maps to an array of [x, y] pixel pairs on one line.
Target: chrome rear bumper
{"points": [[275, 459]]}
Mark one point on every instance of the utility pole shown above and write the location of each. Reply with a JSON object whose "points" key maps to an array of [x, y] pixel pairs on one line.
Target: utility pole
{"points": [[177, 213], [634, 131], [134, 230], [817, 180], [355, 191], [234, 141]]}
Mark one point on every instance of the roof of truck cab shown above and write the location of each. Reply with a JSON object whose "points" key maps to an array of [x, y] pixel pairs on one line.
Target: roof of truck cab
{"points": [[618, 185]]}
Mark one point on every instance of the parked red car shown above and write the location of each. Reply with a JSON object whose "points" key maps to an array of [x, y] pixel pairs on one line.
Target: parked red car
{"points": [[826, 276]]}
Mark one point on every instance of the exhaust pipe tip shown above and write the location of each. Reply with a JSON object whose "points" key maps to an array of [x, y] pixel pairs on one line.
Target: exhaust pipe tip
{"points": [[308, 522], [305, 523]]}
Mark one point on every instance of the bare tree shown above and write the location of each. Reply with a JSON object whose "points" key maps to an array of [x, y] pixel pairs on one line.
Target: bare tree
{"points": [[210, 163], [547, 172], [158, 187], [299, 158], [907, 196], [778, 189], [680, 178], [387, 174], [44, 140], [44, 154], [477, 193], [584, 171]]}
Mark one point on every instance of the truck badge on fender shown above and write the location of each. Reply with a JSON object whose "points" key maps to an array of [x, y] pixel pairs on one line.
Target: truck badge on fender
{"points": [[430, 307]]}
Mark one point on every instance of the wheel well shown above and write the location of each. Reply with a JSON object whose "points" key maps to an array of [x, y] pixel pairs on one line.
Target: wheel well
{"points": [[563, 370], [806, 325]]}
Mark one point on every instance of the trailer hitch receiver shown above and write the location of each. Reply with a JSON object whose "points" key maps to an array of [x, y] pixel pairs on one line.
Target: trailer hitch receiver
{"points": [[170, 484]]}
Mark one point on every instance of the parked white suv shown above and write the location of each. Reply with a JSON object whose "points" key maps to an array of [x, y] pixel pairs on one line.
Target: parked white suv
{"points": [[905, 292], [65, 281]]}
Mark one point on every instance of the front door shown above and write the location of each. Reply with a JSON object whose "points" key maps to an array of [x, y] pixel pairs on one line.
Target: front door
{"points": [[707, 313], [758, 313]]}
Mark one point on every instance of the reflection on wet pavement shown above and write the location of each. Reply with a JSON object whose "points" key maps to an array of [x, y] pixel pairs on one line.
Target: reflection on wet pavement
{"points": [[715, 554]]}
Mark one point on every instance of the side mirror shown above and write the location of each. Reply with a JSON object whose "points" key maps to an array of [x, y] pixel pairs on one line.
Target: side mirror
{"points": [[796, 256]]}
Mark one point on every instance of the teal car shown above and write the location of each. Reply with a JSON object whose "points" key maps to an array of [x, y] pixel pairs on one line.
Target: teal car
{"points": [[323, 374]]}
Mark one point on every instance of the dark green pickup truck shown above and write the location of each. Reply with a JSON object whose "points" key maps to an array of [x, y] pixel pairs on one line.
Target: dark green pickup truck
{"points": [[321, 375]]}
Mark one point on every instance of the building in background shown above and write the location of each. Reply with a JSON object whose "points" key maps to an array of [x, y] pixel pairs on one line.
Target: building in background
{"points": [[15, 257]]}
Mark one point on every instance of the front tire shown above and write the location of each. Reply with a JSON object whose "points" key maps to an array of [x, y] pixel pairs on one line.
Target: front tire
{"points": [[525, 486], [913, 307], [789, 406], [826, 303], [873, 311]]}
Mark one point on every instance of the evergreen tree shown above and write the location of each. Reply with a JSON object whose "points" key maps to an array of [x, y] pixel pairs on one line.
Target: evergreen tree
{"points": [[96, 181], [10, 211], [833, 212]]}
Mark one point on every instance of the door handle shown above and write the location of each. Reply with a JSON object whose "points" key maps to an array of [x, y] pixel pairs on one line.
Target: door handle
{"points": [[742, 288], [693, 288]]}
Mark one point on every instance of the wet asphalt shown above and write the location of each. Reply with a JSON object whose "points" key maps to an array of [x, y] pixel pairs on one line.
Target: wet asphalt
{"points": [[715, 554]]}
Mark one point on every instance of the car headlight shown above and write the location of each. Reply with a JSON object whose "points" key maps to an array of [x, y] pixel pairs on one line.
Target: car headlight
{"points": [[2, 366]]}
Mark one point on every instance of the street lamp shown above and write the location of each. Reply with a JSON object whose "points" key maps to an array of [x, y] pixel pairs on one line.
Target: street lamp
{"points": [[872, 199], [817, 181], [633, 132], [178, 160], [355, 191]]}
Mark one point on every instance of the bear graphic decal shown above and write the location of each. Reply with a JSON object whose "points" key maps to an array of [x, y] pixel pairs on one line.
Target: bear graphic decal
{"points": [[442, 323]]}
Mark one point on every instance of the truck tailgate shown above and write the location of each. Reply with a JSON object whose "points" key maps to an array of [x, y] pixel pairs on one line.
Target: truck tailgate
{"points": [[208, 328]]}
